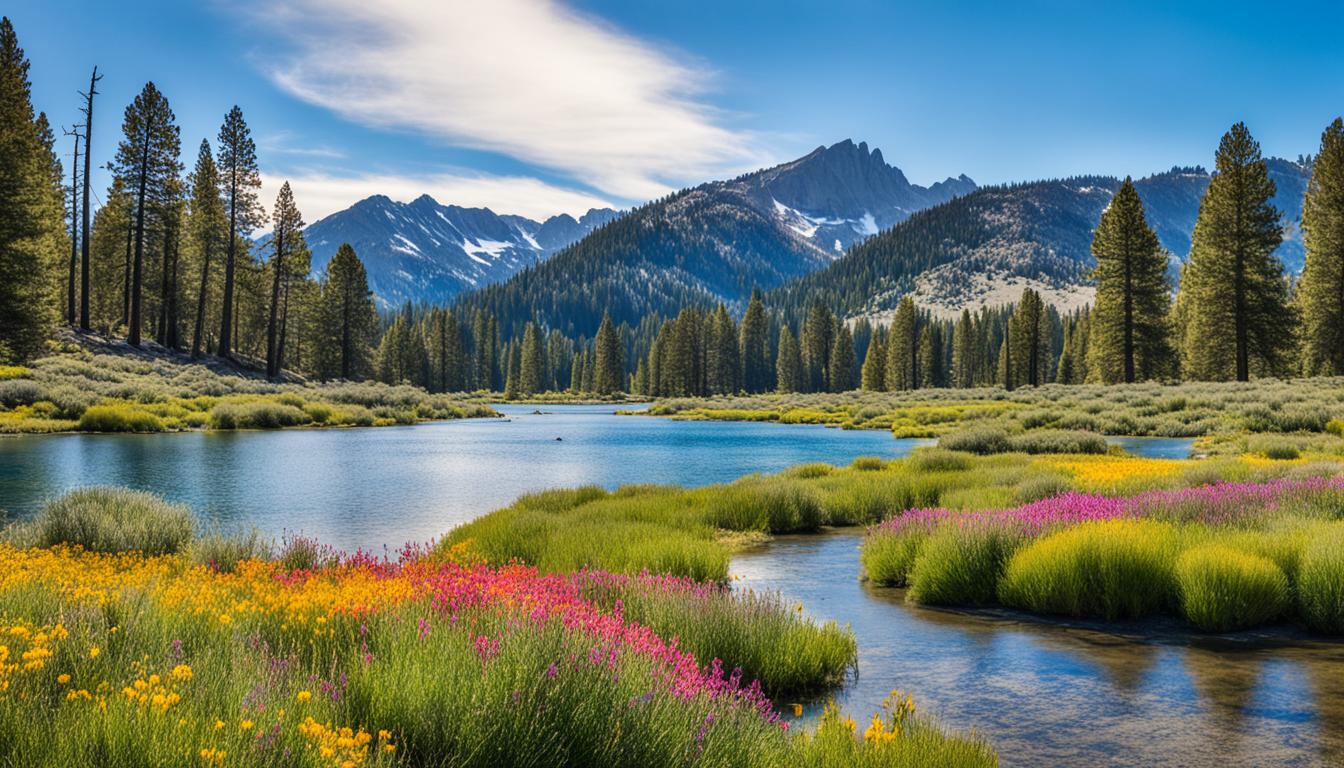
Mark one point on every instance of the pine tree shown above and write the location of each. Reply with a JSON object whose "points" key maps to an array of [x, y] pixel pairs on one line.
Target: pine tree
{"points": [[840, 376], [1129, 334], [240, 181], [347, 319], [818, 336], [32, 225], [930, 357], [965, 347], [755, 347], [1235, 312], [789, 364], [286, 241], [903, 348], [1320, 291], [873, 378], [723, 361], [147, 161], [1029, 341], [609, 365], [531, 371]]}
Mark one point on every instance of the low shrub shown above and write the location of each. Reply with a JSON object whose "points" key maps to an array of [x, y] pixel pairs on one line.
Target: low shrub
{"points": [[869, 463], [1116, 569], [119, 417], [982, 440], [1274, 448], [223, 551], [1058, 441], [261, 414], [104, 519], [1320, 582], [809, 471], [767, 505], [961, 563], [16, 392], [1222, 589], [939, 460]]}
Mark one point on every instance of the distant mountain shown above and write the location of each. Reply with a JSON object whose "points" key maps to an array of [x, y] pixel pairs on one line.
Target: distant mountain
{"points": [[985, 247], [717, 241], [426, 251]]}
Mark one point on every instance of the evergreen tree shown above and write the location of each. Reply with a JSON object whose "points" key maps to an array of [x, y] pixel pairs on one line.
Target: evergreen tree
{"points": [[965, 349], [533, 362], [609, 365], [755, 347], [347, 319], [206, 224], [723, 362], [32, 231], [286, 239], [840, 376], [1029, 341], [1235, 309], [240, 180], [1129, 337], [789, 364], [873, 378], [1320, 291], [147, 162], [930, 356], [818, 336], [903, 347]]}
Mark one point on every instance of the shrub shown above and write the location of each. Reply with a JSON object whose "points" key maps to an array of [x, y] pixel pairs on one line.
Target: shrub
{"points": [[768, 505], [1113, 569], [1320, 582], [318, 413], [256, 415], [962, 562], [982, 440], [1040, 486], [809, 471], [1335, 427], [888, 558], [223, 551], [302, 553], [939, 460], [119, 417], [105, 519], [869, 463], [1059, 441], [16, 392], [1222, 589]]}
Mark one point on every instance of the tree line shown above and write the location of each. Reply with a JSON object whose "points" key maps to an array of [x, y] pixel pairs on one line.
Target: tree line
{"points": [[171, 257]]}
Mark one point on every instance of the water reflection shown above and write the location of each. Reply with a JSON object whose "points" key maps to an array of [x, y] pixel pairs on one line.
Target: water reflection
{"points": [[1051, 695]]}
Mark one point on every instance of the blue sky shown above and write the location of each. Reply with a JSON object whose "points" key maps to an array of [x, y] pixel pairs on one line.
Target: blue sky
{"points": [[534, 106]]}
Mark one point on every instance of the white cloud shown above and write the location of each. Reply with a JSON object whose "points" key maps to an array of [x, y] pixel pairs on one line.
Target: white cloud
{"points": [[319, 194], [531, 79]]}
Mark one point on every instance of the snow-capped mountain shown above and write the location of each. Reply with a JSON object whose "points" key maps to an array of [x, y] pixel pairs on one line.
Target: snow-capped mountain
{"points": [[839, 195], [426, 251]]}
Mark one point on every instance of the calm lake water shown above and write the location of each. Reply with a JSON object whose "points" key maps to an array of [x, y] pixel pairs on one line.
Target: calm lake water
{"points": [[374, 487], [1050, 695]]}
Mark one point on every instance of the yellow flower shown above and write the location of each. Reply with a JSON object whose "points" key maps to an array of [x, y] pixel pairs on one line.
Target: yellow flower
{"points": [[94, 651], [225, 619], [245, 725], [305, 695], [797, 710], [62, 678], [389, 748], [181, 672], [219, 724]]}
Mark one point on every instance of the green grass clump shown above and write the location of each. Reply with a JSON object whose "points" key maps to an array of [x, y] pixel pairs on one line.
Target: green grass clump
{"points": [[767, 505], [961, 563], [981, 440], [119, 417], [1059, 441], [939, 460], [259, 414], [1320, 582], [868, 463], [1116, 569], [223, 551], [1223, 589], [105, 519], [889, 558]]}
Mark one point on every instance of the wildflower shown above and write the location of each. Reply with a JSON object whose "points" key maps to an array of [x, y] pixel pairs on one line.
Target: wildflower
{"points": [[181, 672], [94, 651], [245, 725], [797, 710], [62, 678], [305, 696]]}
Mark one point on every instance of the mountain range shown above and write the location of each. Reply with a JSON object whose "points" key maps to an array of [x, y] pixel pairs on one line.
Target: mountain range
{"points": [[426, 251]]}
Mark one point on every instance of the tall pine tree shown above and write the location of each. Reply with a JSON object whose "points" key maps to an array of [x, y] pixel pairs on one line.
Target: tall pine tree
{"points": [[1320, 291], [1129, 333], [240, 180], [1235, 312]]}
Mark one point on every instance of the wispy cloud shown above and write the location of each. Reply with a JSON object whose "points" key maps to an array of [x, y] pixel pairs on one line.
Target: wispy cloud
{"points": [[287, 143], [320, 193], [531, 79]]}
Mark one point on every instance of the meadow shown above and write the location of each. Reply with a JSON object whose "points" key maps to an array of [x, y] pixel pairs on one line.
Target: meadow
{"points": [[93, 386], [156, 646], [1190, 409]]}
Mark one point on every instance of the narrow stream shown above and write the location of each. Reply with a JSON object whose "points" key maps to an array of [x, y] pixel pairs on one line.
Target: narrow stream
{"points": [[1048, 695]]}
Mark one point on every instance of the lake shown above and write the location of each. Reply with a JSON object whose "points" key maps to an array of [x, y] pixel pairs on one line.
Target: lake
{"points": [[385, 486]]}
